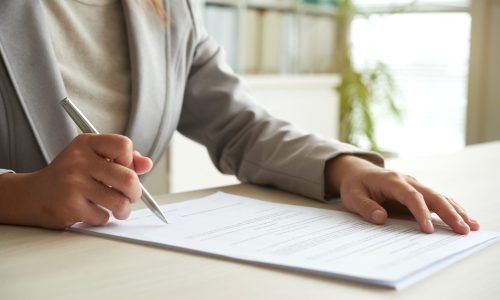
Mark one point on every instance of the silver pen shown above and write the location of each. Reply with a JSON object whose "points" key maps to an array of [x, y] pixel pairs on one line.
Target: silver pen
{"points": [[86, 127]]}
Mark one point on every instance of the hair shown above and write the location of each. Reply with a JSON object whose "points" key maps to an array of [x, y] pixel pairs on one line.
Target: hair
{"points": [[157, 7], [159, 10]]}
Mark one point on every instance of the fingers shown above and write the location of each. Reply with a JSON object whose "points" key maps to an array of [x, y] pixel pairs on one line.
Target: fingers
{"points": [[359, 202], [119, 177], [89, 206], [407, 195], [363, 193], [111, 162], [141, 164], [448, 210], [117, 148], [448, 214], [93, 215], [109, 198], [76, 209], [473, 224]]}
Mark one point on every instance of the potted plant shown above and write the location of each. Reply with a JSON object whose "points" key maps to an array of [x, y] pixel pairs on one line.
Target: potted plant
{"points": [[359, 90]]}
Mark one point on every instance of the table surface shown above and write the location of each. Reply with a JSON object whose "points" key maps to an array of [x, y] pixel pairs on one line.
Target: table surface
{"points": [[45, 264]]}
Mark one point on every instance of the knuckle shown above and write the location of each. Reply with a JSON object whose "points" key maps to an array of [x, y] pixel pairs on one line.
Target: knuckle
{"points": [[124, 143], [410, 178], [129, 178], [71, 179], [104, 171], [413, 194], [78, 158], [132, 185], [82, 137], [394, 176], [440, 197], [137, 193]]}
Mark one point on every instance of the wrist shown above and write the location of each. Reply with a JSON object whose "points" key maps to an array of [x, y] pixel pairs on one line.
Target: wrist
{"points": [[341, 167]]}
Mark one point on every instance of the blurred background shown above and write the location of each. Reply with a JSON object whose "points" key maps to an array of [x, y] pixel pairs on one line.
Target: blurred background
{"points": [[406, 78]]}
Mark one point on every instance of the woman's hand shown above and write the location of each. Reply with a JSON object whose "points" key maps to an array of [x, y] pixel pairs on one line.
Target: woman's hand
{"points": [[92, 174], [366, 189]]}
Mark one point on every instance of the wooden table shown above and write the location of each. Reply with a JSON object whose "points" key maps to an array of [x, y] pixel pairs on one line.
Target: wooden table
{"points": [[44, 264]]}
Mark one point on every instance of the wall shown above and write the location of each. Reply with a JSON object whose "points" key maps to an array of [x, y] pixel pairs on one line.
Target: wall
{"points": [[483, 114]]}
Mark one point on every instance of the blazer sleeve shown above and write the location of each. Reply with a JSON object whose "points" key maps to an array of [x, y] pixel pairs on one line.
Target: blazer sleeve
{"points": [[242, 138]]}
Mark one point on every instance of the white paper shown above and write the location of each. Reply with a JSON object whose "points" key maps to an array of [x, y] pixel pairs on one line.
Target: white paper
{"points": [[315, 240]]}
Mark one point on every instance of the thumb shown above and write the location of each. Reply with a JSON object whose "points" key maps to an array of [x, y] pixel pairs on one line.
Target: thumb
{"points": [[142, 164]]}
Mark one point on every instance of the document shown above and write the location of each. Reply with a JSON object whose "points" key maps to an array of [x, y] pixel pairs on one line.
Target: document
{"points": [[321, 241]]}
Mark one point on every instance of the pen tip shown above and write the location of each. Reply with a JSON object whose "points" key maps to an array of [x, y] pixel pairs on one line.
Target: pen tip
{"points": [[162, 217]]}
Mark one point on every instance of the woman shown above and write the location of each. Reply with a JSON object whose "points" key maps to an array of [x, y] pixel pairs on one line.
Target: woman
{"points": [[141, 70]]}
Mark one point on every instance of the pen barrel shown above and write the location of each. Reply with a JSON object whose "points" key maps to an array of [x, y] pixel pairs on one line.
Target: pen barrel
{"points": [[78, 117]]}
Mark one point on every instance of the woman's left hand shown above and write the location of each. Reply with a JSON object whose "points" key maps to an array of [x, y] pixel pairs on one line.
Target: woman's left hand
{"points": [[366, 189]]}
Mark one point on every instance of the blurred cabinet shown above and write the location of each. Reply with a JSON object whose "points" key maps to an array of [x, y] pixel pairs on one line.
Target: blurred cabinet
{"points": [[273, 36]]}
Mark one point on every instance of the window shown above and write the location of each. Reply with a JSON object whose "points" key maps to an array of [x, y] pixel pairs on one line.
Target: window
{"points": [[428, 55]]}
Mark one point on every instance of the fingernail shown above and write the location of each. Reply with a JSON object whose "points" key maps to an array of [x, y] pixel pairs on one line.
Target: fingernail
{"points": [[430, 225], [137, 152], [472, 220], [378, 215]]}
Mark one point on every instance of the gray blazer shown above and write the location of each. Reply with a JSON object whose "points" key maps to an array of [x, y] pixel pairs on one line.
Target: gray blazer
{"points": [[180, 81]]}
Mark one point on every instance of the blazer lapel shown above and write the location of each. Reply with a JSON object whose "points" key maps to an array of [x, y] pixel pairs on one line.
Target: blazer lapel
{"points": [[26, 48], [148, 46]]}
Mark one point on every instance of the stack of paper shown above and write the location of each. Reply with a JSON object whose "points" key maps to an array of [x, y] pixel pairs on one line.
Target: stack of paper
{"points": [[313, 240]]}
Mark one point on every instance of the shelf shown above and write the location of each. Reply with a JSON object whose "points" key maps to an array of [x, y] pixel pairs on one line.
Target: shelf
{"points": [[223, 2], [272, 4], [418, 8], [281, 5], [315, 9]]}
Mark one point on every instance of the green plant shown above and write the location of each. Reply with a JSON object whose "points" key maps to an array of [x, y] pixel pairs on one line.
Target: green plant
{"points": [[359, 90]]}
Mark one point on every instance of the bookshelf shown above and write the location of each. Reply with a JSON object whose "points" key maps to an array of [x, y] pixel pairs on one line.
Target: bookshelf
{"points": [[273, 36]]}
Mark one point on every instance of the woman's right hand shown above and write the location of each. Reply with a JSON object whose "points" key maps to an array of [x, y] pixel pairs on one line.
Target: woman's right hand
{"points": [[95, 171]]}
